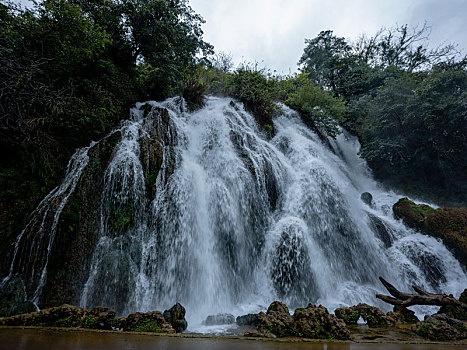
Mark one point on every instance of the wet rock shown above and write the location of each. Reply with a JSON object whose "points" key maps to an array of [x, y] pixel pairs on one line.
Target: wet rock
{"points": [[13, 298], [276, 322], [317, 323], [401, 314], [247, 320], [449, 224], [412, 214], [99, 318], [441, 327], [219, 319], [371, 315], [367, 198], [348, 314], [175, 316], [147, 322], [379, 228]]}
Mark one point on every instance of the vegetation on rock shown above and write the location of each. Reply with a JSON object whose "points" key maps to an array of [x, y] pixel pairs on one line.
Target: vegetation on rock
{"points": [[449, 224]]}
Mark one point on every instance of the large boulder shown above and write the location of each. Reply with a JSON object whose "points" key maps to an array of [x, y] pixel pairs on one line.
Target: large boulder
{"points": [[147, 322], [441, 327], [412, 214], [448, 224], [367, 198], [317, 323], [247, 320], [276, 322], [175, 316], [310, 322]]}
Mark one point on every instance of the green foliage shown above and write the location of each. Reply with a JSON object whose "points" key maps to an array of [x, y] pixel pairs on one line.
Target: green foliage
{"points": [[70, 70], [317, 107], [257, 93]]}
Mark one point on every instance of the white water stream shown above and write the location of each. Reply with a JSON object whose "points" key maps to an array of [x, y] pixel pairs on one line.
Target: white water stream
{"points": [[244, 220]]}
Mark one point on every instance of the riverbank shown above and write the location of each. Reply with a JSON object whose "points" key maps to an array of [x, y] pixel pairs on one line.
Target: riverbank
{"points": [[38, 338]]}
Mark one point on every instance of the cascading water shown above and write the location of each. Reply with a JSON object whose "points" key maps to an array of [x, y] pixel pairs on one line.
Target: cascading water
{"points": [[236, 220]]}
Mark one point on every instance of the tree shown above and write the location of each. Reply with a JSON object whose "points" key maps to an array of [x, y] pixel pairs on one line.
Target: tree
{"points": [[324, 58]]}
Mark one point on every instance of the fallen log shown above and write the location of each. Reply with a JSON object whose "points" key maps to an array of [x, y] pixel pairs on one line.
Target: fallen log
{"points": [[422, 298]]}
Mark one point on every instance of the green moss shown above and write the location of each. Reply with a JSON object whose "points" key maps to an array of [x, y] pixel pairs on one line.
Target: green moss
{"points": [[146, 325], [89, 322], [64, 322], [421, 209]]}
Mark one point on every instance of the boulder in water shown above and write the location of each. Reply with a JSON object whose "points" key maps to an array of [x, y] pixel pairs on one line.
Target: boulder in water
{"points": [[379, 228], [219, 319], [316, 322], [147, 322], [449, 224], [276, 322], [176, 317], [412, 214], [310, 322], [367, 198], [247, 320]]}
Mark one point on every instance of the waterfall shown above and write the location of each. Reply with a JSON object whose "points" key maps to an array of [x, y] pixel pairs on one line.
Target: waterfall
{"points": [[203, 208]]}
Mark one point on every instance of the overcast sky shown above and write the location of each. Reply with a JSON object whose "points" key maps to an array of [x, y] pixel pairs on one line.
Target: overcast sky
{"points": [[274, 31]]}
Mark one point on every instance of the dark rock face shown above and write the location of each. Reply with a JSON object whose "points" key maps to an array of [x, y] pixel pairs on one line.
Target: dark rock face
{"points": [[379, 228], [247, 320], [441, 327], [13, 298], [372, 315], [367, 198], [175, 316], [310, 322], [97, 318], [449, 224], [77, 230], [219, 319]]}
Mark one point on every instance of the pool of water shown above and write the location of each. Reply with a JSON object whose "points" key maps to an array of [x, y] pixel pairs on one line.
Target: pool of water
{"points": [[46, 339]]}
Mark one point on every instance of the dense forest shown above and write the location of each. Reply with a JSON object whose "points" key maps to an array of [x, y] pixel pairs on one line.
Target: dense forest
{"points": [[70, 71]]}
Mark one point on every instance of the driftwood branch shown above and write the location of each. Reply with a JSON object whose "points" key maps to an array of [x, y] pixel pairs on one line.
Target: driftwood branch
{"points": [[422, 298]]}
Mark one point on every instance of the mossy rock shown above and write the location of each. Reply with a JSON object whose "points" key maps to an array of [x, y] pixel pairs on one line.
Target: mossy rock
{"points": [[412, 214], [450, 224], [147, 322], [441, 327]]}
